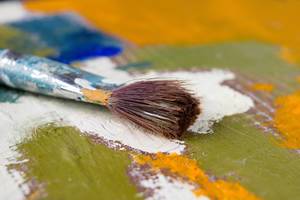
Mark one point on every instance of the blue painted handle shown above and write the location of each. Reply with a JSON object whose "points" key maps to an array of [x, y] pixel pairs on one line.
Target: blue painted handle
{"points": [[44, 76]]}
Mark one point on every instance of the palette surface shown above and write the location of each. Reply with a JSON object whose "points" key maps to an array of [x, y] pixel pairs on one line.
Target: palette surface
{"points": [[241, 59]]}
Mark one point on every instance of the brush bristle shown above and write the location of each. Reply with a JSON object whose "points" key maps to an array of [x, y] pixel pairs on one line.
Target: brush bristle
{"points": [[160, 106]]}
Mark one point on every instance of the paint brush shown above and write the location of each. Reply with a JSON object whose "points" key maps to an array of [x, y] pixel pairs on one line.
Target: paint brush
{"points": [[159, 106]]}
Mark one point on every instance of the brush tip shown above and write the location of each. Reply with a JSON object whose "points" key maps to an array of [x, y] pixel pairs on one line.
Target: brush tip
{"points": [[160, 106]]}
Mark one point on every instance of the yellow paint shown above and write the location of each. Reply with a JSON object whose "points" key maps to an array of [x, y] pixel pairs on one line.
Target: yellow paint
{"points": [[288, 55], [96, 96], [194, 22], [188, 169], [266, 87], [287, 118]]}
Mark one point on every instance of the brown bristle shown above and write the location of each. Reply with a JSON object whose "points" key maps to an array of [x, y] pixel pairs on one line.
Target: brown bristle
{"points": [[160, 106]]}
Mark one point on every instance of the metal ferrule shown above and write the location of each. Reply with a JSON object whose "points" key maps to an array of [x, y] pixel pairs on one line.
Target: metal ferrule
{"points": [[44, 76]]}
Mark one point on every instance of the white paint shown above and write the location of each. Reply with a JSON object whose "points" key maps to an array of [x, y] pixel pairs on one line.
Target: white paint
{"points": [[12, 11], [84, 83], [167, 188], [105, 67]]}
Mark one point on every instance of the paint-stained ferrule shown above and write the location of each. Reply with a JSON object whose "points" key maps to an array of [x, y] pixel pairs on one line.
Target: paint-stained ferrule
{"points": [[44, 76]]}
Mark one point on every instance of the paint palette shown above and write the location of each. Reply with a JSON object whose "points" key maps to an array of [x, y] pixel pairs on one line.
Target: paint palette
{"points": [[244, 70]]}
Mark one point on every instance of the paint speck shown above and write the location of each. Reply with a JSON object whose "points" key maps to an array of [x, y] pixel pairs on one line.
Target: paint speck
{"points": [[265, 87]]}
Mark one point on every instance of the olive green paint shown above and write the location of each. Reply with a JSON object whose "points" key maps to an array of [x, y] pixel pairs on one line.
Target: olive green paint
{"points": [[71, 166], [239, 151], [16, 40], [249, 58]]}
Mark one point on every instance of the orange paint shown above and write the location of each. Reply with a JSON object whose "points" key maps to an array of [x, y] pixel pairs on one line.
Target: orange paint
{"points": [[96, 96], [194, 22], [287, 119], [188, 169], [265, 87]]}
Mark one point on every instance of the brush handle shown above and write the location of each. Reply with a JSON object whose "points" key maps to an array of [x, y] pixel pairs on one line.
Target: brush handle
{"points": [[44, 76]]}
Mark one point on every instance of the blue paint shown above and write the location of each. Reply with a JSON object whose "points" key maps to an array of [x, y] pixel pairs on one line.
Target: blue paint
{"points": [[70, 37], [9, 95]]}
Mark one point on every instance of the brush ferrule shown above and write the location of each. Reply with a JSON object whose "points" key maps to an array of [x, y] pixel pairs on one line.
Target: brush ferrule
{"points": [[44, 76]]}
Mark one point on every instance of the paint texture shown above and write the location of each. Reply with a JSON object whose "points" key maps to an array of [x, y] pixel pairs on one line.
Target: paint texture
{"points": [[71, 37], [240, 152], [165, 187], [264, 87], [196, 22], [97, 96], [250, 58], [186, 168], [62, 159], [286, 119]]}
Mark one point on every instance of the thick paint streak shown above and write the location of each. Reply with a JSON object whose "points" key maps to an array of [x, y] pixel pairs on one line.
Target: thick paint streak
{"points": [[70, 36], [197, 22], [184, 167], [238, 151], [265, 87], [287, 119], [61, 159]]}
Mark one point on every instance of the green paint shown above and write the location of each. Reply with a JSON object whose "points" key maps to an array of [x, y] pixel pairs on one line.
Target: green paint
{"points": [[16, 40], [241, 152], [73, 167], [250, 58]]}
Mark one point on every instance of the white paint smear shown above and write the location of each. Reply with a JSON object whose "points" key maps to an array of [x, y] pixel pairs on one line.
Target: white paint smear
{"points": [[12, 11], [167, 188]]}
